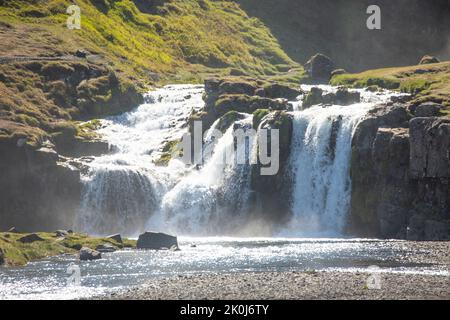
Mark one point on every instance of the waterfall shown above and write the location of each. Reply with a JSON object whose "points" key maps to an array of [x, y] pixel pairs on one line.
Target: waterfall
{"points": [[126, 192], [320, 164]]}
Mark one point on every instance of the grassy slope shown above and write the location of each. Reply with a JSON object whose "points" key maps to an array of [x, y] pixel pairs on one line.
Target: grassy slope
{"points": [[187, 40], [429, 82], [17, 253]]}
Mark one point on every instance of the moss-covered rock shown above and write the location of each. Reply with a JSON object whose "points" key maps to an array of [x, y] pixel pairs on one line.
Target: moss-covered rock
{"points": [[258, 115], [228, 119]]}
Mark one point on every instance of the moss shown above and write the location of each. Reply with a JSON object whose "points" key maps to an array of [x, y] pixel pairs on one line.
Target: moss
{"points": [[169, 148], [227, 120], [258, 115], [17, 253]]}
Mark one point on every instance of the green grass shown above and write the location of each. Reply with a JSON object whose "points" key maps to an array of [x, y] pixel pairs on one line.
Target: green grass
{"points": [[17, 253], [429, 82], [186, 41]]}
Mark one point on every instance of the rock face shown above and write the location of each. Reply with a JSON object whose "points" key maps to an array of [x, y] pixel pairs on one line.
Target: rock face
{"points": [[272, 191], [319, 68], [87, 254], [342, 97], [38, 192], [400, 176], [156, 241]]}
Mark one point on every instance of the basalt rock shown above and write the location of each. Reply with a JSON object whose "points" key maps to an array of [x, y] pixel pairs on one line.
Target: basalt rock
{"points": [[319, 68], [87, 254], [428, 109], [156, 241], [400, 176], [342, 97], [272, 190]]}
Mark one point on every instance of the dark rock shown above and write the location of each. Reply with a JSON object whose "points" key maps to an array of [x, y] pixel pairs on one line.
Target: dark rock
{"points": [[2, 257], [232, 87], [271, 192], [30, 238], [416, 228], [430, 145], [344, 97], [61, 233], [80, 53], [116, 237], [428, 109], [156, 241], [437, 230], [338, 72], [13, 230], [105, 248], [87, 254], [428, 60], [319, 68], [314, 97], [276, 90]]}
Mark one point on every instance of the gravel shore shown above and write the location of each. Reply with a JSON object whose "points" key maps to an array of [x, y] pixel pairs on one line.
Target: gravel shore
{"points": [[290, 286]]}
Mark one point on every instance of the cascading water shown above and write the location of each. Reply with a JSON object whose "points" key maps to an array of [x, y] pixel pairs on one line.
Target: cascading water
{"points": [[126, 192]]}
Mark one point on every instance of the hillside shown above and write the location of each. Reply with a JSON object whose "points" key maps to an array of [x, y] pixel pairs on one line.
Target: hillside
{"points": [[176, 41]]}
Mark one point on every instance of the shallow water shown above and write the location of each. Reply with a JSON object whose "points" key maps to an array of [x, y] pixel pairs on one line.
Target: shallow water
{"points": [[47, 279]]}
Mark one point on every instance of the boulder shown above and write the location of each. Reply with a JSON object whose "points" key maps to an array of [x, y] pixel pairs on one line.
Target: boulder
{"points": [[239, 87], [277, 90], [428, 109], [344, 97], [319, 68], [61, 233], [156, 241], [116, 237], [87, 254], [105, 248], [13, 230], [314, 97], [428, 60], [30, 238]]}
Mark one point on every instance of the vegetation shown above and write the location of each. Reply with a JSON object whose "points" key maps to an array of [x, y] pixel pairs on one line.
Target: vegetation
{"points": [[178, 41], [258, 115], [17, 253], [429, 82]]}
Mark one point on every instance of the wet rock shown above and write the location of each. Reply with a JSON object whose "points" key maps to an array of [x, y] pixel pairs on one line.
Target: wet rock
{"points": [[30, 238], [105, 248], [344, 97], [319, 68], [314, 97], [156, 241], [428, 109], [271, 192], [87, 254], [2, 257], [116, 237], [429, 60], [276, 90]]}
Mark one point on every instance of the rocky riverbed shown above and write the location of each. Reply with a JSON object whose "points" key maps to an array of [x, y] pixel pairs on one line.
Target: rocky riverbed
{"points": [[291, 286]]}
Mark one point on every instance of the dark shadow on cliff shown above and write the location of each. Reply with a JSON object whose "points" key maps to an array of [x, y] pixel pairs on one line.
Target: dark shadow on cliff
{"points": [[337, 28]]}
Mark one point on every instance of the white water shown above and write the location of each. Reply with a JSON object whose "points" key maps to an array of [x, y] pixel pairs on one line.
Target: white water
{"points": [[125, 192]]}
